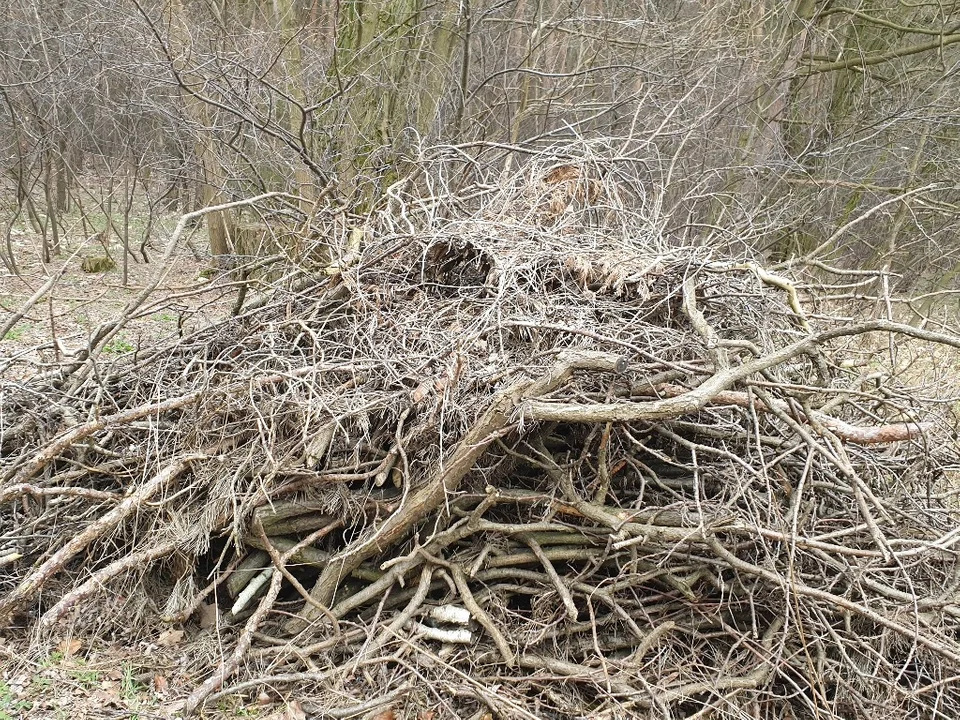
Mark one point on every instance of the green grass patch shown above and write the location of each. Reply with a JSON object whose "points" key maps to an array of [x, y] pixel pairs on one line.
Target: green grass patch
{"points": [[16, 332], [118, 346], [11, 707], [84, 676]]}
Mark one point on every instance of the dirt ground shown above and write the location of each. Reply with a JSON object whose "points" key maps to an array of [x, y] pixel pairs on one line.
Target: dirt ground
{"points": [[81, 301]]}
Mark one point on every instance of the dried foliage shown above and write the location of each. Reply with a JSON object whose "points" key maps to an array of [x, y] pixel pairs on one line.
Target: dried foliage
{"points": [[647, 483]]}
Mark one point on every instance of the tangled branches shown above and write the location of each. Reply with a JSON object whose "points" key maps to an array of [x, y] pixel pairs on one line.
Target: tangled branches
{"points": [[496, 469]]}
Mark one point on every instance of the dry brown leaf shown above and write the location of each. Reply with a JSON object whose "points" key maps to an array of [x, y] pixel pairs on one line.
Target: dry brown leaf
{"points": [[160, 684], [421, 391], [385, 715], [106, 696], [428, 715], [70, 647], [292, 711], [208, 615], [562, 173], [170, 638]]}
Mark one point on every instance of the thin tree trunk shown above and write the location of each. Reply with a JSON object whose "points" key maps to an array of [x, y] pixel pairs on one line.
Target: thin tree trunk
{"points": [[62, 177], [398, 52], [220, 224], [50, 197]]}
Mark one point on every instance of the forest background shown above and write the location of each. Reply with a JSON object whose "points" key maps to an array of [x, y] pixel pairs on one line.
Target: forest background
{"points": [[789, 130]]}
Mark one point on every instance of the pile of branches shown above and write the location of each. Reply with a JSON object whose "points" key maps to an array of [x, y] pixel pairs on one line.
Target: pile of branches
{"points": [[490, 467]]}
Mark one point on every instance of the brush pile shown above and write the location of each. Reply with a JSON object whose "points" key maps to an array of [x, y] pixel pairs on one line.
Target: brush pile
{"points": [[502, 467]]}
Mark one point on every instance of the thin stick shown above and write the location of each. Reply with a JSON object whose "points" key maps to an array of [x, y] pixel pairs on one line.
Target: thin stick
{"points": [[31, 584]]}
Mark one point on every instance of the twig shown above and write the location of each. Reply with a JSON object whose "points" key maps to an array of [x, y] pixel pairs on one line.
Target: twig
{"points": [[447, 479], [229, 666], [30, 585], [99, 579]]}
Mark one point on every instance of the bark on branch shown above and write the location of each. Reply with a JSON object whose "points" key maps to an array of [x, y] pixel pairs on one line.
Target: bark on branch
{"points": [[428, 498], [683, 402], [31, 584]]}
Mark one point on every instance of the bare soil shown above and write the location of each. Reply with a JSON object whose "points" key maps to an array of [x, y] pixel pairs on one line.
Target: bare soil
{"points": [[80, 301]]}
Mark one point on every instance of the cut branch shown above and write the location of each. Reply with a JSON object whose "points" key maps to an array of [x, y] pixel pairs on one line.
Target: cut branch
{"points": [[30, 585]]}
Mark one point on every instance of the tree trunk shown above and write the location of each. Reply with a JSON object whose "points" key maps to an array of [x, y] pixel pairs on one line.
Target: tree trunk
{"points": [[398, 53], [50, 198], [212, 185]]}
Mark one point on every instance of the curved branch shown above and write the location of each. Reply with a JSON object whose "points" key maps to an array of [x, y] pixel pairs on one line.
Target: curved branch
{"points": [[860, 62], [447, 479], [693, 400], [31, 584]]}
